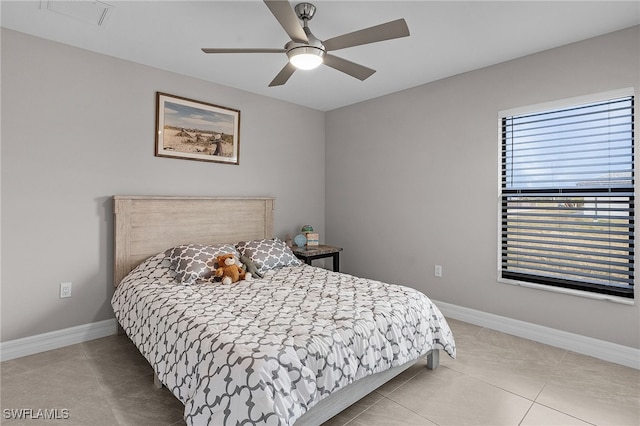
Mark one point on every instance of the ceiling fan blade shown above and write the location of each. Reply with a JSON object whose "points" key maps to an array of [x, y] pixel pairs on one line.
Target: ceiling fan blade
{"points": [[241, 50], [388, 31], [288, 19], [283, 75], [354, 70]]}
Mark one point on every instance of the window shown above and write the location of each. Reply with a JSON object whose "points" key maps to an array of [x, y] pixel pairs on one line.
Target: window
{"points": [[567, 196]]}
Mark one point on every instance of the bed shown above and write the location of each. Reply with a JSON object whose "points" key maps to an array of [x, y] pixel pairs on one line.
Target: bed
{"points": [[298, 345]]}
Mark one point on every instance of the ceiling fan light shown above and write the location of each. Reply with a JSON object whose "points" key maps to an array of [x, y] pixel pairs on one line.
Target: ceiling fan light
{"points": [[306, 57]]}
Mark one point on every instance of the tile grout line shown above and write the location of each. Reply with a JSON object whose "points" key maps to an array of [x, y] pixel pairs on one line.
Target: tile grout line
{"points": [[405, 407], [564, 355], [397, 403], [101, 384], [535, 401], [546, 381], [526, 413]]}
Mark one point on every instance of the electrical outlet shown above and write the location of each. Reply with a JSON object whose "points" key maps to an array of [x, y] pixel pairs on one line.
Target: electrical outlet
{"points": [[65, 290], [437, 270]]}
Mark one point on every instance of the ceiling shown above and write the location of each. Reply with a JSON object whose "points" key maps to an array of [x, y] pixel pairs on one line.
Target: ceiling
{"points": [[447, 38]]}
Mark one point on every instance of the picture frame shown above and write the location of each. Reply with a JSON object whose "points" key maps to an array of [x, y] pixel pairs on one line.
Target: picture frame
{"points": [[194, 130]]}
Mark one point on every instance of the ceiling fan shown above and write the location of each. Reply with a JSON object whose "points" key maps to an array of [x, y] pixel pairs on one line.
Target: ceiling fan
{"points": [[305, 51]]}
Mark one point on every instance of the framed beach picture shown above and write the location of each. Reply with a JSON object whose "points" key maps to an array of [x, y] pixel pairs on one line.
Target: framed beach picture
{"points": [[194, 130]]}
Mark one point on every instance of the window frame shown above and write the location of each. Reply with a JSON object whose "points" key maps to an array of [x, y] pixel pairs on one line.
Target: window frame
{"points": [[539, 108]]}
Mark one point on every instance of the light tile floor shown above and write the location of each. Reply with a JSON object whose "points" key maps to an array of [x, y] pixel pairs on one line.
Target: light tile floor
{"points": [[497, 379]]}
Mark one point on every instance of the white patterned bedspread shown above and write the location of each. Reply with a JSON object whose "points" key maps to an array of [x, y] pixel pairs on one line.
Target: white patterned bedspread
{"points": [[267, 350]]}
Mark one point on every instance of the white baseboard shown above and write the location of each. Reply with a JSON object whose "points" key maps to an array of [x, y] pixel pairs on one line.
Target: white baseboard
{"points": [[612, 352], [57, 339], [619, 354]]}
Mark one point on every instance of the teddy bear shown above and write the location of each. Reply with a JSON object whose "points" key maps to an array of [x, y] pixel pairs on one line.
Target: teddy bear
{"points": [[229, 270]]}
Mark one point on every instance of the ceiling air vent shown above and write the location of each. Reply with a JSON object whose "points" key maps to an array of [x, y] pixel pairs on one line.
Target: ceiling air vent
{"points": [[91, 12]]}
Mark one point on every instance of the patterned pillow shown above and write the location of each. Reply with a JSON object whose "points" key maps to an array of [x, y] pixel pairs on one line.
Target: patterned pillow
{"points": [[268, 254], [193, 262]]}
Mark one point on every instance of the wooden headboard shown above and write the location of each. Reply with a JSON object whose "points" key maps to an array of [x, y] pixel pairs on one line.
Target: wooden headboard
{"points": [[145, 226]]}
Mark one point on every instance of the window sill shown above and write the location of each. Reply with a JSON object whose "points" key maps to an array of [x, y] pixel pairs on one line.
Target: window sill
{"points": [[571, 292]]}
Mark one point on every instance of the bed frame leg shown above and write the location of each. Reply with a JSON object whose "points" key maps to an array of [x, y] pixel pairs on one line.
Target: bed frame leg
{"points": [[156, 381], [433, 359]]}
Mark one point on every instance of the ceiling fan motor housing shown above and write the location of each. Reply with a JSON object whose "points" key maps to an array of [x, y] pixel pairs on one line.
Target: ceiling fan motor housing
{"points": [[314, 47], [305, 57]]}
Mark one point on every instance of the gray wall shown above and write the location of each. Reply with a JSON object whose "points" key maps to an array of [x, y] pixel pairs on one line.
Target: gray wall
{"points": [[412, 181], [77, 128], [411, 176]]}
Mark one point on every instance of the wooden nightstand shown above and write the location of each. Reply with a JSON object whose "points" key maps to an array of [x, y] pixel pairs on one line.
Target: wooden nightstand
{"points": [[309, 253]]}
